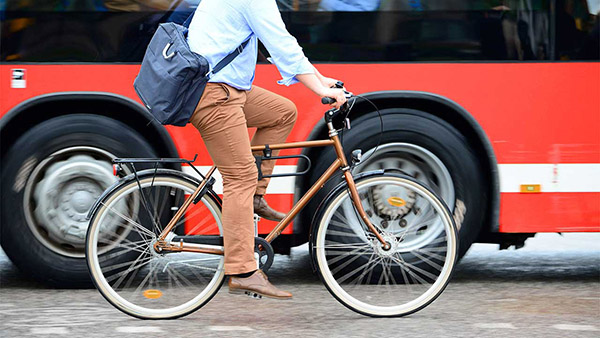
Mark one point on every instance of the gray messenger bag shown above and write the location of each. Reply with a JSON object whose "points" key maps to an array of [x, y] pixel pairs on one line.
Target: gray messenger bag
{"points": [[172, 77]]}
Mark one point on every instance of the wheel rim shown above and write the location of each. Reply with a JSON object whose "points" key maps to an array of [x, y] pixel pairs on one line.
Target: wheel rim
{"points": [[164, 291], [419, 163], [374, 287], [60, 191]]}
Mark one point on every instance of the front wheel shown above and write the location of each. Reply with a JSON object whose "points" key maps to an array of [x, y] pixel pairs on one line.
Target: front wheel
{"points": [[360, 273], [126, 268]]}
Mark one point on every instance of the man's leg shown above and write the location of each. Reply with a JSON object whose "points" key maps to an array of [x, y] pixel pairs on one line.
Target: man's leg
{"points": [[221, 122], [274, 117]]}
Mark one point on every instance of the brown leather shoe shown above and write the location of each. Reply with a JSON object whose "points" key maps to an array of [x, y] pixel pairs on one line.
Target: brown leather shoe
{"points": [[262, 209], [257, 283]]}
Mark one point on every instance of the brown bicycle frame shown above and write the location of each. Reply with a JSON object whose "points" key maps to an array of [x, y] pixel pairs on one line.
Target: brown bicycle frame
{"points": [[339, 164]]}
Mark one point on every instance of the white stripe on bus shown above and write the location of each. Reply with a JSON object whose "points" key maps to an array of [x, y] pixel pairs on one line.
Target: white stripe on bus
{"points": [[278, 185], [578, 177]]}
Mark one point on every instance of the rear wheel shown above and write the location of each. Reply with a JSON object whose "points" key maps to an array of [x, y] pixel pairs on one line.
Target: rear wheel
{"points": [[134, 276], [377, 281]]}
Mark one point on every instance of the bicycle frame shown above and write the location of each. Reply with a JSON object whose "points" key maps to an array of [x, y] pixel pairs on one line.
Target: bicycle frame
{"points": [[340, 163]]}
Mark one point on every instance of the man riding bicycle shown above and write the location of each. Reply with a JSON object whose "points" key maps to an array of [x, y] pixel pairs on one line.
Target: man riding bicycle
{"points": [[230, 104]]}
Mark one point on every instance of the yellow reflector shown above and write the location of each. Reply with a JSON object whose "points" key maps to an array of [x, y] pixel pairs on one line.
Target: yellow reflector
{"points": [[152, 294], [531, 188], [396, 201]]}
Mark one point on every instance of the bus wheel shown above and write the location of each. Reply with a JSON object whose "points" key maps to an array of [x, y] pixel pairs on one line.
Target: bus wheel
{"points": [[51, 177], [428, 149]]}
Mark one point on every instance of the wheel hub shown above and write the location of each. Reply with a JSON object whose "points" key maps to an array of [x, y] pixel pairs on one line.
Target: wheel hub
{"points": [[59, 193], [381, 249], [66, 193]]}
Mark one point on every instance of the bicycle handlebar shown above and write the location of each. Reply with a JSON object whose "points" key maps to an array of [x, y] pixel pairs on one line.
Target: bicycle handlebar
{"points": [[331, 100], [327, 100], [330, 114]]}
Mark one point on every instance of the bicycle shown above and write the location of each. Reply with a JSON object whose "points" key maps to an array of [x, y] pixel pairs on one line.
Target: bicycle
{"points": [[365, 242]]}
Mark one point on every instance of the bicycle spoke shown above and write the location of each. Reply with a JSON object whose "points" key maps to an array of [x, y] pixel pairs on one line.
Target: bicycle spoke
{"points": [[410, 267], [121, 275], [136, 225], [197, 227], [337, 245], [345, 277], [428, 253], [368, 267], [125, 249]]}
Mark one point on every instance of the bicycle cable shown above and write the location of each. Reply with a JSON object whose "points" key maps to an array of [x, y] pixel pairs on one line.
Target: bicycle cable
{"points": [[362, 160], [380, 124]]}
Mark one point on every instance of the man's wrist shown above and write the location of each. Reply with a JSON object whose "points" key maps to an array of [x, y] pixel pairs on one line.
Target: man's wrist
{"points": [[322, 92]]}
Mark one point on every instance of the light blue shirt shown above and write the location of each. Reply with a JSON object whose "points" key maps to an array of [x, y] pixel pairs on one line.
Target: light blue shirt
{"points": [[349, 5], [220, 26]]}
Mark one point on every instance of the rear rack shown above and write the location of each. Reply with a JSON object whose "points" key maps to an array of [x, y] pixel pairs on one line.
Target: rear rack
{"points": [[154, 160], [130, 162]]}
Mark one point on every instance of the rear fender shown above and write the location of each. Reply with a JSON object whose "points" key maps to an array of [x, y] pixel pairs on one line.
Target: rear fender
{"points": [[144, 174]]}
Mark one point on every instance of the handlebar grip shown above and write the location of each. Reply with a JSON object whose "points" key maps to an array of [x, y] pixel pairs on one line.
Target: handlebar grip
{"points": [[327, 100]]}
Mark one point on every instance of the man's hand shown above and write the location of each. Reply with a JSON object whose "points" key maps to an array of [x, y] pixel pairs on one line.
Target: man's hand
{"points": [[335, 93], [315, 83], [328, 82]]}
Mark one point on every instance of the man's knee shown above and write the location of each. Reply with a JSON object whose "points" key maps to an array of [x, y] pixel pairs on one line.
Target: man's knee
{"points": [[290, 112], [245, 176]]}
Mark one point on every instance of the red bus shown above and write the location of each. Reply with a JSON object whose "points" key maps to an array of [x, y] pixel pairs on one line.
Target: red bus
{"points": [[494, 104]]}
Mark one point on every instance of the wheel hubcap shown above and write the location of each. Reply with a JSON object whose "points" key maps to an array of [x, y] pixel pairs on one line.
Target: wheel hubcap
{"points": [[419, 163], [59, 194]]}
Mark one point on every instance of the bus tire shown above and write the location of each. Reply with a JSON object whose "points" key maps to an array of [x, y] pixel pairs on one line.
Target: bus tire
{"points": [[422, 146], [51, 176]]}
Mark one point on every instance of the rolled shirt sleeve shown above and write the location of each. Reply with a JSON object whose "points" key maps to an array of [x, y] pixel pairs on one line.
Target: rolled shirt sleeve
{"points": [[264, 19]]}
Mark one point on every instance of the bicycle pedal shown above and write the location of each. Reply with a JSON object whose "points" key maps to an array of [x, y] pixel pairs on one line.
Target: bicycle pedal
{"points": [[253, 295]]}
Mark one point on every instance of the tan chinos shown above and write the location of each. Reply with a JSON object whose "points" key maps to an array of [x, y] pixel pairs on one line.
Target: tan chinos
{"points": [[223, 117]]}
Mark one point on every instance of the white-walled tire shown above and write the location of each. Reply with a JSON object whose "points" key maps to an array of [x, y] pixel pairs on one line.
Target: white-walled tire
{"points": [[388, 283]]}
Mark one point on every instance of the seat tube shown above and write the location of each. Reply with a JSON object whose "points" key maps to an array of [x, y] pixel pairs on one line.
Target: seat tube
{"points": [[186, 204]]}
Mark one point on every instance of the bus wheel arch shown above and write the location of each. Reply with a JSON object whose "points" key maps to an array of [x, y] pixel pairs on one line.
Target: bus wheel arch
{"points": [[123, 109], [59, 149], [434, 108]]}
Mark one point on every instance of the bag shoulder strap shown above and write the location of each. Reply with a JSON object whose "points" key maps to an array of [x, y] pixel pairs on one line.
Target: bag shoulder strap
{"points": [[187, 21], [227, 60]]}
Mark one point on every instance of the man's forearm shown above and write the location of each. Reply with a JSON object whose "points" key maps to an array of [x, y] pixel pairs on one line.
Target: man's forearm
{"points": [[312, 82], [319, 75]]}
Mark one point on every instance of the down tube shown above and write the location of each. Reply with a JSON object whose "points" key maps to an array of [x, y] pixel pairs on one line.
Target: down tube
{"points": [[302, 202]]}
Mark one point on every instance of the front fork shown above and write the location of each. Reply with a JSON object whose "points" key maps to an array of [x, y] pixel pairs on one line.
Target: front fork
{"points": [[352, 187]]}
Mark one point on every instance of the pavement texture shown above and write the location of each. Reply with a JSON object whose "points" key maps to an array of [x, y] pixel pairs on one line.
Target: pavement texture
{"points": [[550, 288]]}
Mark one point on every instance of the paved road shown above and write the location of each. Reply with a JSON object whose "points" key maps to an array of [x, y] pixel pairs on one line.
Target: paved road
{"points": [[551, 288]]}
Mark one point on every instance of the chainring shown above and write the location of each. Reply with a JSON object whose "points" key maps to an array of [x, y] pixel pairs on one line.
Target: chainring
{"points": [[266, 254]]}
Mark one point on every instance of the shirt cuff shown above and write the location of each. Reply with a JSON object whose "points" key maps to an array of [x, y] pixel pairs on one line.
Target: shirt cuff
{"points": [[304, 67]]}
